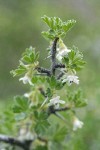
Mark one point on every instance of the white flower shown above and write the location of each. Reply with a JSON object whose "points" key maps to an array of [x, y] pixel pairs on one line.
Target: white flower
{"points": [[31, 48], [26, 79], [27, 95], [62, 52], [70, 79], [25, 135], [77, 124], [56, 101]]}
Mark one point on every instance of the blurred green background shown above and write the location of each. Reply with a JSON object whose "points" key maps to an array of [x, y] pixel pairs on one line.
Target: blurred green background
{"points": [[21, 26]]}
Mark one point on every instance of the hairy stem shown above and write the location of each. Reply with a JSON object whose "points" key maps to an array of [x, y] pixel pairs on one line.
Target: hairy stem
{"points": [[62, 109], [42, 92], [60, 75], [13, 141], [43, 70], [59, 66], [52, 110], [53, 56]]}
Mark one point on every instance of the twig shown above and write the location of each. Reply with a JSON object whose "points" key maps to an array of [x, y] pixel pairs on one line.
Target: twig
{"points": [[52, 110], [44, 94], [43, 70], [62, 109], [60, 75], [42, 91], [55, 111], [60, 116], [45, 101], [59, 66], [13, 141], [53, 56]]}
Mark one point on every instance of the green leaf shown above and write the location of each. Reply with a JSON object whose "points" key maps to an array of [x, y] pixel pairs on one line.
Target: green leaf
{"points": [[57, 28], [55, 146], [17, 109], [41, 148], [41, 115], [51, 81], [54, 83], [74, 60], [27, 59], [81, 103], [48, 35], [59, 85], [30, 56], [21, 104], [68, 25], [77, 98], [49, 93], [47, 20], [21, 69], [60, 134], [36, 114], [20, 116], [41, 126]]}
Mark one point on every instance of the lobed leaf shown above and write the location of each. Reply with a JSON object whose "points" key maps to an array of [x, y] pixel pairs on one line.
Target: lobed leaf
{"points": [[57, 28]]}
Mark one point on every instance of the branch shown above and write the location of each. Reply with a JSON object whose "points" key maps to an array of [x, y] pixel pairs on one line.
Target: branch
{"points": [[62, 109], [59, 66], [53, 56], [42, 91], [13, 141], [52, 110], [43, 70], [60, 75]]}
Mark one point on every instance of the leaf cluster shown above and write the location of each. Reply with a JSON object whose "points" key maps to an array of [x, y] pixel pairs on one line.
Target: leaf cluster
{"points": [[54, 83], [42, 123], [57, 28], [29, 59], [77, 99], [20, 107], [30, 56], [74, 60]]}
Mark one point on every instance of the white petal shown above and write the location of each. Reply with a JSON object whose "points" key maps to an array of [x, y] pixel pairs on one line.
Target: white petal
{"points": [[30, 48], [62, 52], [57, 106], [70, 79], [27, 95], [77, 124], [55, 101], [61, 102], [24, 79]]}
